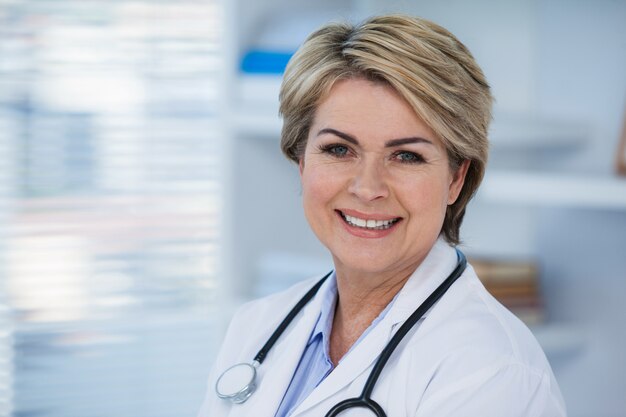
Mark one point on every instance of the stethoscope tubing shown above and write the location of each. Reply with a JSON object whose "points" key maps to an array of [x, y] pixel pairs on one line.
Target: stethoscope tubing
{"points": [[359, 402], [261, 354], [364, 400], [410, 323]]}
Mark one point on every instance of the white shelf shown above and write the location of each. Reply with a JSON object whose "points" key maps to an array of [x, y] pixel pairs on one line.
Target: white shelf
{"points": [[256, 107], [555, 190], [521, 132], [257, 123]]}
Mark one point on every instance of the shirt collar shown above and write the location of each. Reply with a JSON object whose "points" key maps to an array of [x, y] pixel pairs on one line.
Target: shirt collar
{"points": [[324, 323]]}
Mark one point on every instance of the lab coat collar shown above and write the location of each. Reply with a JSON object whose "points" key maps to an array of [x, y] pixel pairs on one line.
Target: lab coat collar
{"points": [[273, 380], [434, 269], [437, 265]]}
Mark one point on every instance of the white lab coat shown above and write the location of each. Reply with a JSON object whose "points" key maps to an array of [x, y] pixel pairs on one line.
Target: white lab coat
{"points": [[468, 357]]}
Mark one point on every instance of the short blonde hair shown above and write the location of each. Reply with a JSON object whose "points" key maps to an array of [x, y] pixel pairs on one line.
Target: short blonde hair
{"points": [[427, 65]]}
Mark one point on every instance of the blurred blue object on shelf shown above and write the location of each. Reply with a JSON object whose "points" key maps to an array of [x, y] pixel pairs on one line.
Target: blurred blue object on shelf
{"points": [[265, 62]]}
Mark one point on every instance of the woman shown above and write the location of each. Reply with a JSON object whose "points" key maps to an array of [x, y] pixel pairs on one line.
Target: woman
{"points": [[388, 123]]}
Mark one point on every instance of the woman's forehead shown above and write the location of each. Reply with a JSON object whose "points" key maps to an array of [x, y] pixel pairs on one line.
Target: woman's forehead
{"points": [[360, 107]]}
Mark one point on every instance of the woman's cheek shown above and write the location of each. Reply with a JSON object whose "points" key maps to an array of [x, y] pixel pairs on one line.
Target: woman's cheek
{"points": [[320, 185]]}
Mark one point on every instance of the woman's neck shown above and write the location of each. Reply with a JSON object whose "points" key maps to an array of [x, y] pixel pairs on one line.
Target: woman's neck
{"points": [[359, 303]]}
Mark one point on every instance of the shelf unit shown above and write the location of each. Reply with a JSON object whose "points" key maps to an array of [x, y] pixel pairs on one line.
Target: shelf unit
{"points": [[555, 190], [257, 122]]}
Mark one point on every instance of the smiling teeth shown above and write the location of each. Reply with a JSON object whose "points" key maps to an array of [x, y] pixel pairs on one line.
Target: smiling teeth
{"points": [[369, 224]]}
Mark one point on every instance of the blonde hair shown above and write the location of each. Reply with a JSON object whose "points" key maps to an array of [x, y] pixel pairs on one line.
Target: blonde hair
{"points": [[427, 65]]}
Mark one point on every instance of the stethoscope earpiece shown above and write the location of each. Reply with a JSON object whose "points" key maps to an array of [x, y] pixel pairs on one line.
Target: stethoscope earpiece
{"points": [[237, 383]]}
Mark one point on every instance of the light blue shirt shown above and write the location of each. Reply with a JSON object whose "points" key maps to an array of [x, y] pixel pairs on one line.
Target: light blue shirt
{"points": [[315, 364]]}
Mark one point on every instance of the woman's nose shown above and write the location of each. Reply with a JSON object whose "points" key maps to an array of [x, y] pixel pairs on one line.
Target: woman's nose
{"points": [[368, 182]]}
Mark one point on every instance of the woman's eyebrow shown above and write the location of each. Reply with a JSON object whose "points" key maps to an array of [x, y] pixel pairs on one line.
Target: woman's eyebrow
{"points": [[342, 135], [389, 144], [406, 141]]}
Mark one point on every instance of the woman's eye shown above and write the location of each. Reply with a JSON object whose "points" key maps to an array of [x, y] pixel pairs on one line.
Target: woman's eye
{"points": [[336, 150], [408, 157]]}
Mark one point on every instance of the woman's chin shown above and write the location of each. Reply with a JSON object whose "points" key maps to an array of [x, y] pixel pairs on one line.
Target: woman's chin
{"points": [[364, 263]]}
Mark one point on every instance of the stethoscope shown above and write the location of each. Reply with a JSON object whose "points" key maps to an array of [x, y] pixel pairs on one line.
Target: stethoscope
{"points": [[238, 383]]}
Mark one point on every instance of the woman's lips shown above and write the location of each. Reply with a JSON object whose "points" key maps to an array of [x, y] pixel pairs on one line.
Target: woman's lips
{"points": [[368, 225]]}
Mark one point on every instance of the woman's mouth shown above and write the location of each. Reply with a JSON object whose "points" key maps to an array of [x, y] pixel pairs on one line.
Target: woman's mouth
{"points": [[368, 224]]}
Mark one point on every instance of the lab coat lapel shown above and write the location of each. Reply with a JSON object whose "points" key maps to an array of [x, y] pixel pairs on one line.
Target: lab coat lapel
{"points": [[276, 372], [433, 270], [351, 366]]}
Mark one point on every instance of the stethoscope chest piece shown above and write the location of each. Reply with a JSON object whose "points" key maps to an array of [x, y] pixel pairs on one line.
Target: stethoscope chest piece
{"points": [[237, 383]]}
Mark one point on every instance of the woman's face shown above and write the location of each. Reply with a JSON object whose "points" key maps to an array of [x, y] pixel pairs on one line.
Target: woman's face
{"points": [[376, 180]]}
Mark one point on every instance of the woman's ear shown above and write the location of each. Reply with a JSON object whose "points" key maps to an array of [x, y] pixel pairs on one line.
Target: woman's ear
{"points": [[458, 179]]}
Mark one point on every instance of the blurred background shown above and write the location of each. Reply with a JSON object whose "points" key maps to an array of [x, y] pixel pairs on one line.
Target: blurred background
{"points": [[143, 195]]}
